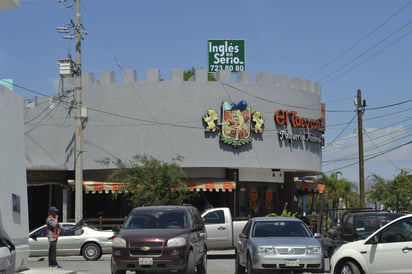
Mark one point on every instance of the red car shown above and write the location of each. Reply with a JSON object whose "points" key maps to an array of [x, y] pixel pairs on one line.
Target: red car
{"points": [[161, 238]]}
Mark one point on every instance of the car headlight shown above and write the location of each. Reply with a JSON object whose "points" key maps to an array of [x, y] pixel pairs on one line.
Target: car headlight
{"points": [[178, 241], [119, 242], [314, 250], [266, 250]]}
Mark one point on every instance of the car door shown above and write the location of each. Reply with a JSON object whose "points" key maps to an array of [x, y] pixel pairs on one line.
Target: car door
{"points": [[39, 245], [242, 244], [217, 230], [70, 242], [198, 235], [393, 252]]}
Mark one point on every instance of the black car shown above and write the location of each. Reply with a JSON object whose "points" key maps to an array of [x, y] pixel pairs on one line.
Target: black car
{"points": [[359, 225], [161, 238]]}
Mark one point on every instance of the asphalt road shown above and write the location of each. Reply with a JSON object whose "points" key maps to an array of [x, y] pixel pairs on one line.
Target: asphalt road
{"points": [[220, 262]]}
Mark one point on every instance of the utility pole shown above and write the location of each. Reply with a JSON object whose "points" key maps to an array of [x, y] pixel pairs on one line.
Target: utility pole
{"points": [[360, 109], [79, 127], [76, 31]]}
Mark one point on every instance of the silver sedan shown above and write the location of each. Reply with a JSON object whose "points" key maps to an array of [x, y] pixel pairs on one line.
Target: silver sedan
{"points": [[278, 245], [86, 240]]}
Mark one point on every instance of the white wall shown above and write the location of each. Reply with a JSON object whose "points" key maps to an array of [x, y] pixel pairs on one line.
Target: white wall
{"points": [[13, 185]]}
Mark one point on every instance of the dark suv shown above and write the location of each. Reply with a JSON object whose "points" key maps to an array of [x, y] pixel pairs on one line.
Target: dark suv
{"points": [[161, 238]]}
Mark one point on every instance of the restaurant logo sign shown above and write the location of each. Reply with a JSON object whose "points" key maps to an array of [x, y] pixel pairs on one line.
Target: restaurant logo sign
{"points": [[237, 123], [312, 129]]}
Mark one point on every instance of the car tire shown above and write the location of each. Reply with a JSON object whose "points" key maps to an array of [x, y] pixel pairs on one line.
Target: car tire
{"points": [[250, 269], [347, 267], [190, 264], [202, 267], [91, 252], [238, 267]]}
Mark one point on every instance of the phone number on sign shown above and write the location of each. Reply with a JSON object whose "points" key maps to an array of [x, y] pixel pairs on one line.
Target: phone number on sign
{"points": [[214, 68]]}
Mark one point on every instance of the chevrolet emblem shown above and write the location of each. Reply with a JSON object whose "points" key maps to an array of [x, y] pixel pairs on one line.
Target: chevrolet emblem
{"points": [[145, 248]]}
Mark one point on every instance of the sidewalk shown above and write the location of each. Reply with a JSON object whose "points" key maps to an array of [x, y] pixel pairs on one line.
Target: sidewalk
{"points": [[48, 270]]}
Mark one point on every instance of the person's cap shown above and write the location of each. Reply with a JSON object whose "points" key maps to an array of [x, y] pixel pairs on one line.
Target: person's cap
{"points": [[53, 209]]}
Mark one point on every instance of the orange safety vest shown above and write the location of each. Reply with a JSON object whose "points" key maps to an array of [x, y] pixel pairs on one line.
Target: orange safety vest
{"points": [[55, 230]]}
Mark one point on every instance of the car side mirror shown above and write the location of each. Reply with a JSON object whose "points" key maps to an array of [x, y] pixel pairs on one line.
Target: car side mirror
{"points": [[317, 235], [373, 240], [33, 236]]}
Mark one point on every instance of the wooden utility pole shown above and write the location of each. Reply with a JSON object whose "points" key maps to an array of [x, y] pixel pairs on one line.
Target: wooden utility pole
{"points": [[360, 109]]}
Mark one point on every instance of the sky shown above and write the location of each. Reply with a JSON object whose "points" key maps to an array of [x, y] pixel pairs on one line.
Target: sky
{"points": [[344, 45]]}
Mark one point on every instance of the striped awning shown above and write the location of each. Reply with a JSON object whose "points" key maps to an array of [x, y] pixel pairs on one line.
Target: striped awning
{"points": [[101, 187], [112, 187], [310, 187], [212, 185]]}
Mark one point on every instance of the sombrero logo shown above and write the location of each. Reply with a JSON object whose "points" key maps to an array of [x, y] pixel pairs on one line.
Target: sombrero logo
{"points": [[237, 123]]}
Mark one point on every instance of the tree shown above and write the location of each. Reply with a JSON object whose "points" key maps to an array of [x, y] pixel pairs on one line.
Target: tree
{"points": [[149, 181], [190, 73], [393, 194], [338, 188]]}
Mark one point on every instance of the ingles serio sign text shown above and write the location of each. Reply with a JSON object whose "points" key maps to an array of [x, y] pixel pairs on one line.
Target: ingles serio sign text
{"points": [[226, 55]]}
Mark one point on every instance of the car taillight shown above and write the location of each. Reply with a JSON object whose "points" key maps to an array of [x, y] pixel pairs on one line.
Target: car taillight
{"points": [[111, 238]]}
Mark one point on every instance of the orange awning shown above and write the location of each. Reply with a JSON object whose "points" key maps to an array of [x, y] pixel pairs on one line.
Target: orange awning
{"points": [[212, 185], [101, 187], [112, 187], [310, 186]]}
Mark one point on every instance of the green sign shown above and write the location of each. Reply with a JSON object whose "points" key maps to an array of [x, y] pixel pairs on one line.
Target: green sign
{"points": [[226, 55]]}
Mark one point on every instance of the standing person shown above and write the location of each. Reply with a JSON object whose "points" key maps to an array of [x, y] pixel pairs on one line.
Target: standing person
{"points": [[52, 233]]}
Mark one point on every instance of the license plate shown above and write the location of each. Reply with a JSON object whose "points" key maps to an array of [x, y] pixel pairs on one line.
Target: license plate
{"points": [[292, 263], [145, 261]]}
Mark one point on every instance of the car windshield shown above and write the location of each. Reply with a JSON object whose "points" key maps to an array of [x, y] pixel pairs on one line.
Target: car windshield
{"points": [[157, 220], [280, 229]]}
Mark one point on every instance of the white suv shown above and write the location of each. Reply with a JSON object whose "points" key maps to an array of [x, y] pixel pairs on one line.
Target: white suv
{"points": [[387, 250]]}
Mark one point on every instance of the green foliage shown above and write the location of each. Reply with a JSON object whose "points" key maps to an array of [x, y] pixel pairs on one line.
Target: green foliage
{"points": [[285, 212], [149, 181], [338, 188], [189, 74], [392, 194]]}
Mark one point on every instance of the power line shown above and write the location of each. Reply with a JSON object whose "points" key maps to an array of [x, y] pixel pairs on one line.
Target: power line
{"points": [[360, 41]]}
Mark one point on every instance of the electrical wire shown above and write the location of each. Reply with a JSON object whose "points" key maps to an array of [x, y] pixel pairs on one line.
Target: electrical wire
{"points": [[360, 41]]}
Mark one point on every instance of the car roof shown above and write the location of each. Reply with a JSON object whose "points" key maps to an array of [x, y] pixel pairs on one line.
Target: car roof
{"points": [[278, 218], [159, 207]]}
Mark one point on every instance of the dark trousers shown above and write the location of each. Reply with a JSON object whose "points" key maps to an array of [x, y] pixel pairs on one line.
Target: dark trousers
{"points": [[52, 253]]}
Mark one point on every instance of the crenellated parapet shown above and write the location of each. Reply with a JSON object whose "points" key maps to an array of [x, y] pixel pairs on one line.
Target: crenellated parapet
{"points": [[201, 76]]}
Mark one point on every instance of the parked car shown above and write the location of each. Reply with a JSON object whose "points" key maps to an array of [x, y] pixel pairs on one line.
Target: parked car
{"points": [[278, 245], [86, 240], [387, 250], [222, 231], [161, 238], [7, 256]]}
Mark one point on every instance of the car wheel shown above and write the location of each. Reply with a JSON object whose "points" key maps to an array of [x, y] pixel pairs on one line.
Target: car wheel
{"points": [[190, 264], [91, 252], [201, 268], [250, 269], [238, 267], [347, 267]]}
